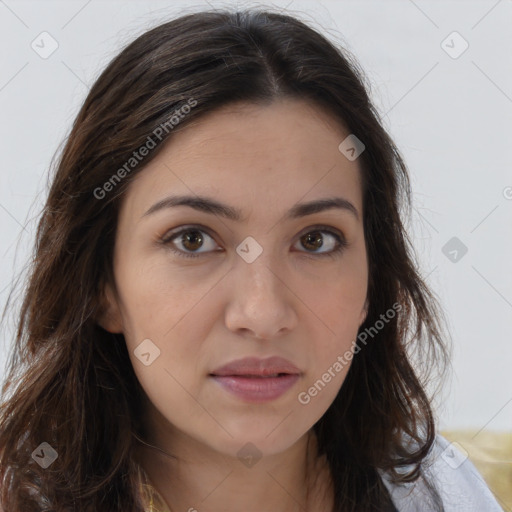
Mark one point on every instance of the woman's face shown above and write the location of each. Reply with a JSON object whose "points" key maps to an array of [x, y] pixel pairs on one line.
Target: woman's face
{"points": [[274, 282]]}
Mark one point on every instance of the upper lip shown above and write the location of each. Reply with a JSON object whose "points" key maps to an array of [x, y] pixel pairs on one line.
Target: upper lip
{"points": [[257, 367]]}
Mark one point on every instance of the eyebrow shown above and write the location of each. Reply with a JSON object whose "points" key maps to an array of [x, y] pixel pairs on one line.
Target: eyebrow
{"points": [[209, 205]]}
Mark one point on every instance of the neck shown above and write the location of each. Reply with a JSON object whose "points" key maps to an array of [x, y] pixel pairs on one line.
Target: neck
{"points": [[196, 477]]}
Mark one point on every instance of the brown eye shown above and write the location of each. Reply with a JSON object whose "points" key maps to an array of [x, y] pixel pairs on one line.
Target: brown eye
{"points": [[312, 240], [188, 241], [192, 240], [332, 241]]}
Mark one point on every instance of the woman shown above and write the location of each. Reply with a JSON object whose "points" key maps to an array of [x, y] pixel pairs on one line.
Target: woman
{"points": [[223, 303]]}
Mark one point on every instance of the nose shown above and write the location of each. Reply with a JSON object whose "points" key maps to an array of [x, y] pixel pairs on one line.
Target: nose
{"points": [[261, 301]]}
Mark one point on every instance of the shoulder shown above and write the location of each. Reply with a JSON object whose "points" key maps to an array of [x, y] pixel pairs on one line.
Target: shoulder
{"points": [[458, 482]]}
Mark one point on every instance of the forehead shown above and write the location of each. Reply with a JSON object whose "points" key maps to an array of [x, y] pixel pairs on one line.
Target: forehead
{"points": [[251, 157]]}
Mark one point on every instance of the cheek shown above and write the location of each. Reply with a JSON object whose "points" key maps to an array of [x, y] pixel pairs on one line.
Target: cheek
{"points": [[336, 296], [330, 360], [158, 300], [176, 312], [336, 302]]}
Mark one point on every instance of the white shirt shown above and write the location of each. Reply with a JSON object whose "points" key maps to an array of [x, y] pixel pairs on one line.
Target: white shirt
{"points": [[456, 479]]}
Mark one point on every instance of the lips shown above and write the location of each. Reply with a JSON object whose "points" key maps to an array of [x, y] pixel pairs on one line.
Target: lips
{"points": [[257, 380], [257, 368]]}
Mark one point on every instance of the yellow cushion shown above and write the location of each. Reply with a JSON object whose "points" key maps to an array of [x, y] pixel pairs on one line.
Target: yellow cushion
{"points": [[491, 454]]}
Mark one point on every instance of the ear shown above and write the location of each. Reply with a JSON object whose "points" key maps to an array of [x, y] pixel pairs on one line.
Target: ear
{"points": [[364, 313], [109, 316]]}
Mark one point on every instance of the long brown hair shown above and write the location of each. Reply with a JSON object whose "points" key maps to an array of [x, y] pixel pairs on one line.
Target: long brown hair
{"points": [[71, 384]]}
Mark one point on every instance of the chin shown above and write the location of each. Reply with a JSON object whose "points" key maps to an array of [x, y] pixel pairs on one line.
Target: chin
{"points": [[265, 438]]}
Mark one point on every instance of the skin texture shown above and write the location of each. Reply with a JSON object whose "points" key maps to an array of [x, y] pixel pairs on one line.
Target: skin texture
{"points": [[207, 311]]}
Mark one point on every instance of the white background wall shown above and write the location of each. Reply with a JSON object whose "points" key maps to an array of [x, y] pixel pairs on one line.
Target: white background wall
{"points": [[451, 118]]}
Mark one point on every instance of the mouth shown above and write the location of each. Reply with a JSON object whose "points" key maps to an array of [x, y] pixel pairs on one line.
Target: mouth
{"points": [[252, 375], [256, 388], [257, 380]]}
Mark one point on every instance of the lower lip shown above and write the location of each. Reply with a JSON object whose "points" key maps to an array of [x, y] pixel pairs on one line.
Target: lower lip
{"points": [[256, 389]]}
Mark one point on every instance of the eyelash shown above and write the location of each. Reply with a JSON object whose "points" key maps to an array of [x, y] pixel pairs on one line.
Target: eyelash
{"points": [[340, 247]]}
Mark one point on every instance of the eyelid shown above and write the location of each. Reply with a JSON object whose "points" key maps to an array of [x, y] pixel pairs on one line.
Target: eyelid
{"points": [[186, 227], [322, 227], [175, 231]]}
